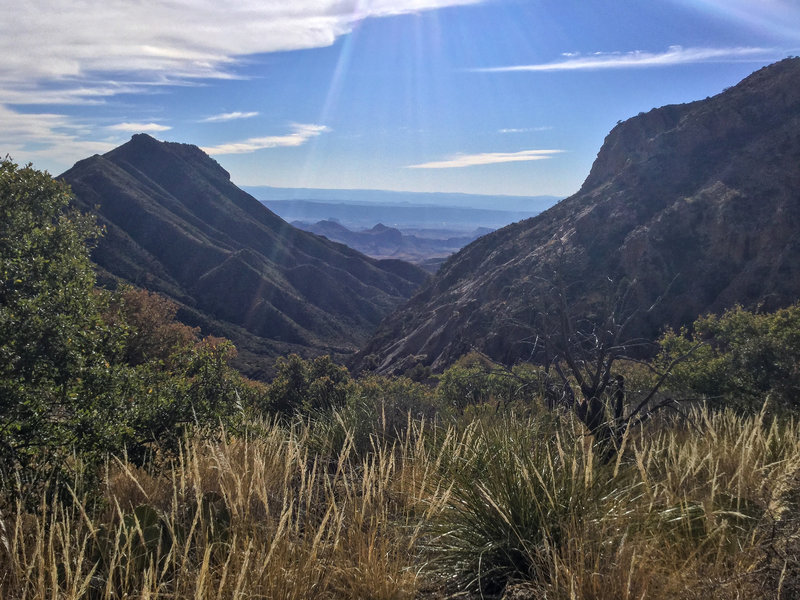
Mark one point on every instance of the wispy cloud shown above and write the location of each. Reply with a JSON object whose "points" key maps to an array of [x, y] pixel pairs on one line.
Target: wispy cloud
{"points": [[523, 129], [75, 95], [138, 127], [54, 137], [301, 133], [77, 46], [675, 55], [489, 158], [231, 116]]}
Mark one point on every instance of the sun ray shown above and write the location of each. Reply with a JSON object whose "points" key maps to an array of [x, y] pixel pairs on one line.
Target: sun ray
{"points": [[770, 17]]}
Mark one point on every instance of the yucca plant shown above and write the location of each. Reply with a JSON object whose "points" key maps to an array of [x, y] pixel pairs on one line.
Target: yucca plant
{"points": [[516, 486]]}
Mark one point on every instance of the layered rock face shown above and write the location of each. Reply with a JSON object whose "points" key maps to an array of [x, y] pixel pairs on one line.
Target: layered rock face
{"points": [[692, 207], [176, 224]]}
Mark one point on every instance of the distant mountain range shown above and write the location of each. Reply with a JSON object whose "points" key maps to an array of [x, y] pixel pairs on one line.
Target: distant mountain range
{"points": [[525, 204], [381, 241], [697, 204], [459, 220], [176, 224]]}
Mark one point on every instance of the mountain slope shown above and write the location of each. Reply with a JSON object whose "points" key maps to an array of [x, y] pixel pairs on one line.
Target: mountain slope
{"points": [[176, 224], [698, 202]]}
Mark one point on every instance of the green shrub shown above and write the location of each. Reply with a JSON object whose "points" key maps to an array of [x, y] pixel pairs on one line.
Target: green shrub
{"points": [[745, 358], [377, 410], [307, 385], [86, 371], [474, 380], [51, 330]]}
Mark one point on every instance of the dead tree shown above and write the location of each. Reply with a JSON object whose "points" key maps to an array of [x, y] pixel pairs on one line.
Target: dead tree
{"points": [[581, 349]]}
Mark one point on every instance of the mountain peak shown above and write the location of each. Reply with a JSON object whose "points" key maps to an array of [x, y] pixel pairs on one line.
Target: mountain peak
{"points": [[143, 138], [176, 224], [148, 152]]}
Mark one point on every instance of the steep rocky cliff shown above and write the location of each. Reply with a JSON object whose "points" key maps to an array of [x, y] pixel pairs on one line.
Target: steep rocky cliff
{"points": [[698, 203]]}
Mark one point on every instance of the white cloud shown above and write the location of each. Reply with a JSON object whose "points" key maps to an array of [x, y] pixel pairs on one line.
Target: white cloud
{"points": [[76, 43], [63, 52], [523, 129], [92, 94], [489, 158], [139, 127], [53, 139], [675, 55], [231, 116], [300, 135]]}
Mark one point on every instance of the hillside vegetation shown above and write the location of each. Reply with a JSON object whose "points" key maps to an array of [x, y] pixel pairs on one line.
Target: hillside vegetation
{"points": [[135, 462]]}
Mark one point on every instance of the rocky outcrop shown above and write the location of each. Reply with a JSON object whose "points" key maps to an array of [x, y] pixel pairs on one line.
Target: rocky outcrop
{"points": [[698, 204]]}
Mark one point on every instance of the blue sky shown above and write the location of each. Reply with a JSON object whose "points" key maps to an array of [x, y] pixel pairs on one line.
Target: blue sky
{"points": [[493, 97]]}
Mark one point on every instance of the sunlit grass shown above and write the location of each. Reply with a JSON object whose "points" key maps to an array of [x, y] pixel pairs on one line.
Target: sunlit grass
{"points": [[701, 509]]}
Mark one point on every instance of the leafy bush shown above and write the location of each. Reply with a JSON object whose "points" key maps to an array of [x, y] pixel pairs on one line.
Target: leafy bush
{"points": [[146, 322], [745, 358], [83, 370], [305, 385], [377, 409], [51, 330], [474, 380]]}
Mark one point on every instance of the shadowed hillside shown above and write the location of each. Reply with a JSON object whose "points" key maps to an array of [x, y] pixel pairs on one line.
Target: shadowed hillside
{"points": [[697, 202], [176, 224]]}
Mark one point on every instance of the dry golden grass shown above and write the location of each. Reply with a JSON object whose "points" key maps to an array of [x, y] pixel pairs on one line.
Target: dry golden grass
{"points": [[692, 512], [702, 511], [239, 519]]}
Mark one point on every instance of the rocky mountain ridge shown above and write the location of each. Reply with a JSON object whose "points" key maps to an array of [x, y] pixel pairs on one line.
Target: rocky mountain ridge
{"points": [[176, 224], [698, 204]]}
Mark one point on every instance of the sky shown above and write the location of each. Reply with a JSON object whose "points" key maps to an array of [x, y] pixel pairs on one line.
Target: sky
{"points": [[473, 96]]}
